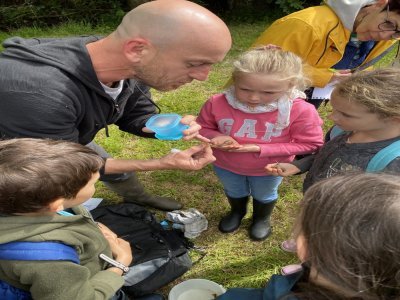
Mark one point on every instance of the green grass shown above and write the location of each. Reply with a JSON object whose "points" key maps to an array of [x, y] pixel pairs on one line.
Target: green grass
{"points": [[232, 260]]}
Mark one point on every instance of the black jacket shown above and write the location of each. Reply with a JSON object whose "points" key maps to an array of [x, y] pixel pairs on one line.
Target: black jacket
{"points": [[49, 89]]}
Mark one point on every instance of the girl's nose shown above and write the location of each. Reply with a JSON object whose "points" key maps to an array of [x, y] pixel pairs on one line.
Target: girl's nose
{"points": [[254, 96]]}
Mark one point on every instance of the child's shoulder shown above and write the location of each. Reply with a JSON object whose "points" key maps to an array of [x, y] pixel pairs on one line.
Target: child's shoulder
{"points": [[301, 106], [218, 100], [302, 103]]}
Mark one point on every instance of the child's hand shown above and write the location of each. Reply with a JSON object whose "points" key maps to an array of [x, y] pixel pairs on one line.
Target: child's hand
{"points": [[120, 249], [281, 169], [224, 142], [247, 148], [105, 230]]}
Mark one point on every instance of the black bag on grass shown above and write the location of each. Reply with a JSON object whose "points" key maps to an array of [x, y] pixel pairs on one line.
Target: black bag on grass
{"points": [[159, 255]]}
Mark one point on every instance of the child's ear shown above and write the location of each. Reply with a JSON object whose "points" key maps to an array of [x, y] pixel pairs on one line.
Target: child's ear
{"points": [[56, 205]]}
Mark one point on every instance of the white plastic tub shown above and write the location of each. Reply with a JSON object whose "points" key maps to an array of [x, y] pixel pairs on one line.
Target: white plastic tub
{"points": [[196, 289]]}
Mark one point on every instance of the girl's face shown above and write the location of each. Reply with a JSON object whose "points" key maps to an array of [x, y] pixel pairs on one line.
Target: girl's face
{"points": [[256, 89], [352, 116], [371, 24]]}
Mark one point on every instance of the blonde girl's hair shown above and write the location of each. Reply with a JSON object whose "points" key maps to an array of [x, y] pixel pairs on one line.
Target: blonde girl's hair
{"points": [[378, 90], [272, 60]]}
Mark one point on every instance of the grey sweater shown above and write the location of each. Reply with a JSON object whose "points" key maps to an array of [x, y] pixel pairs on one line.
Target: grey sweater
{"points": [[337, 157]]}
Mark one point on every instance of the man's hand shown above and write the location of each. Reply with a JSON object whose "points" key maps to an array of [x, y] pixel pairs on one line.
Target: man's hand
{"points": [[193, 131], [188, 134], [194, 158], [281, 169]]}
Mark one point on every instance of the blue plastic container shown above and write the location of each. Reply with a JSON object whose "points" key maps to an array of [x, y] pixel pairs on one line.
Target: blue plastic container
{"points": [[166, 126]]}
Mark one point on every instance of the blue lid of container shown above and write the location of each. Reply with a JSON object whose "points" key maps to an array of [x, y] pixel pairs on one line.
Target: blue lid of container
{"points": [[161, 121]]}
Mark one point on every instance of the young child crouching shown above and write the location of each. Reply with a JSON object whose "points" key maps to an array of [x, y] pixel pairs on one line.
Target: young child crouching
{"points": [[42, 184]]}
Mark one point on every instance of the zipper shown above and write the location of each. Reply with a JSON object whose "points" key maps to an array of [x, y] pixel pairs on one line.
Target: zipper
{"points": [[116, 106]]}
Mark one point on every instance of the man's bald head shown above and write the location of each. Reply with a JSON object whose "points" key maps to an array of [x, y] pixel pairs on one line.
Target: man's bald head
{"points": [[167, 23]]}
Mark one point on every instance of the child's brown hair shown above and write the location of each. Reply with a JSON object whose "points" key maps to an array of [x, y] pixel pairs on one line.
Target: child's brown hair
{"points": [[35, 172], [351, 227]]}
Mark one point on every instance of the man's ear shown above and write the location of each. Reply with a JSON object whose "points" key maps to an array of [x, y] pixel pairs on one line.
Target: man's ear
{"points": [[135, 49], [56, 205]]}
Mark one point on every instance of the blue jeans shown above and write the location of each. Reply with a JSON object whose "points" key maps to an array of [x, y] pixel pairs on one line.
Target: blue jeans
{"points": [[261, 188]]}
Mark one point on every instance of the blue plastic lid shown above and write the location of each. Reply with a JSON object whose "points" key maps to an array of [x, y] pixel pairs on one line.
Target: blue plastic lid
{"points": [[166, 126], [163, 121]]}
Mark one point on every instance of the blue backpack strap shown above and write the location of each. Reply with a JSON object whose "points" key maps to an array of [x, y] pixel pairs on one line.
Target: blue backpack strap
{"points": [[384, 157], [32, 251], [38, 251], [335, 131], [9, 292]]}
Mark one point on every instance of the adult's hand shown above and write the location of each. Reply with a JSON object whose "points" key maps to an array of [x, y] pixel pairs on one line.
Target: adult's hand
{"points": [[193, 131], [188, 134], [194, 158], [339, 75]]}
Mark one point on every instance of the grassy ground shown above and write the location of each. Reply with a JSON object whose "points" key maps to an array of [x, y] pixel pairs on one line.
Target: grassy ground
{"points": [[232, 260]]}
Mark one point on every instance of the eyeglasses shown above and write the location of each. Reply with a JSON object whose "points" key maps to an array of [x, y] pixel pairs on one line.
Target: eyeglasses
{"points": [[389, 25]]}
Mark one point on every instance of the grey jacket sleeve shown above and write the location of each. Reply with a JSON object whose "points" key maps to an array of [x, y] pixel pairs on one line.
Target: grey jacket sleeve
{"points": [[305, 163]]}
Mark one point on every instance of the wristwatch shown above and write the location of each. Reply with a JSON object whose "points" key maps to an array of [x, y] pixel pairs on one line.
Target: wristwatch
{"points": [[114, 263]]}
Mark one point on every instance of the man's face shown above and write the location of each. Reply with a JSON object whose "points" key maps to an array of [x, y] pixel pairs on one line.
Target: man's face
{"points": [[172, 68]]}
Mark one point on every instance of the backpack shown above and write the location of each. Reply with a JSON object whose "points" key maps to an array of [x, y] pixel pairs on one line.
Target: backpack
{"points": [[381, 159], [32, 251], [159, 255]]}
